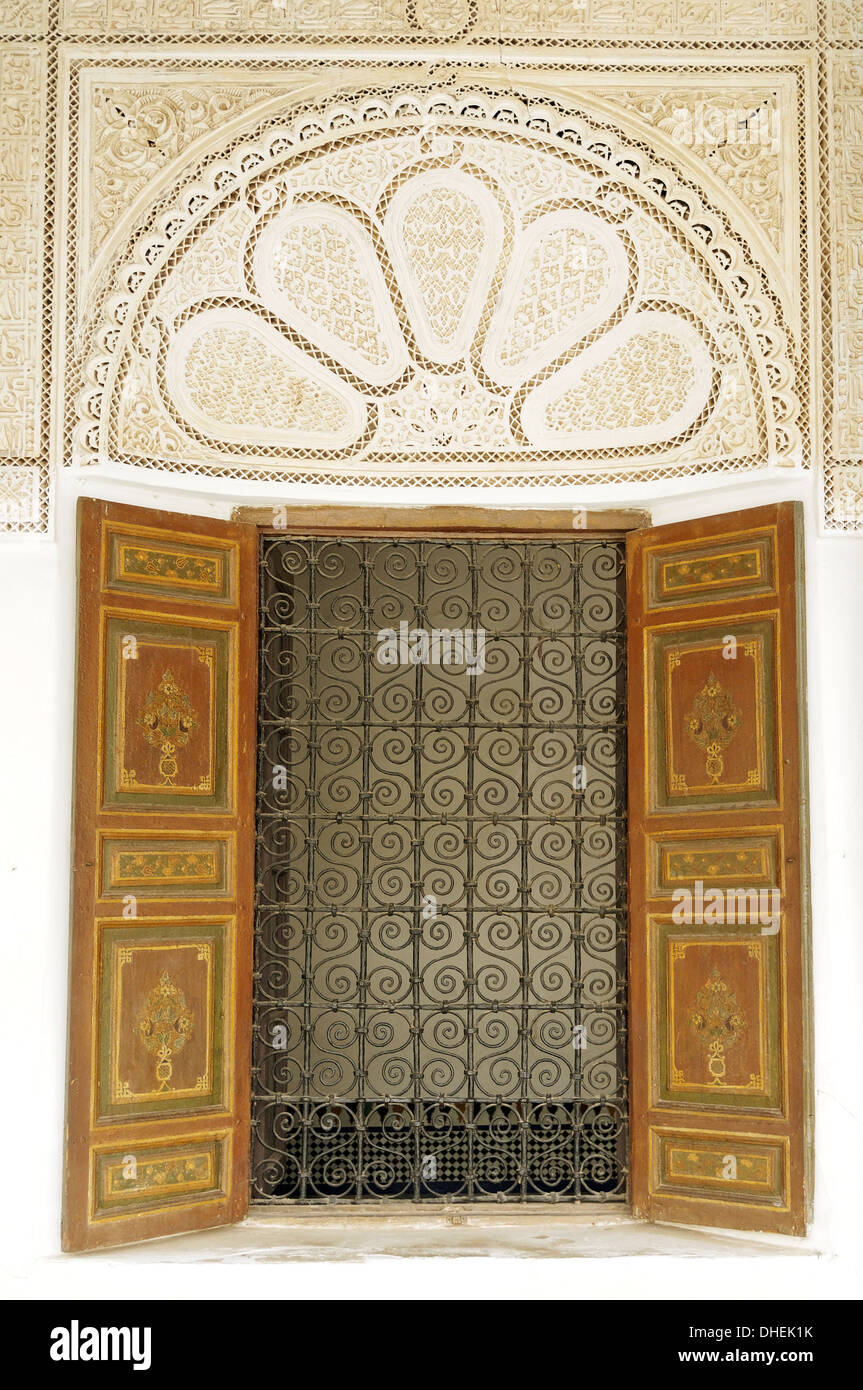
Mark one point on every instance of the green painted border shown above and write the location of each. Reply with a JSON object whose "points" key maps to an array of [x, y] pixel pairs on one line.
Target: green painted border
{"points": [[704, 1100], [717, 1142], [129, 1204], [170, 934], [185, 593], [707, 594], [113, 796], [153, 888], [678, 842], [659, 641]]}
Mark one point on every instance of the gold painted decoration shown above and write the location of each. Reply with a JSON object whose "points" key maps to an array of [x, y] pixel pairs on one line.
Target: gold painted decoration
{"points": [[718, 1022], [711, 864], [138, 560], [157, 1113], [160, 864], [168, 713], [176, 866], [168, 721], [164, 1025], [746, 856], [140, 1177], [197, 570], [169, 1172], [729, 1167], [711, 571], [162, 998], [712, 723], [687, 574]]}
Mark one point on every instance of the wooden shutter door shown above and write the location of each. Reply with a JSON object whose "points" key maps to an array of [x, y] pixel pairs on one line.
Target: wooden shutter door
{"points": [[160, 1008], [721, 1107]]}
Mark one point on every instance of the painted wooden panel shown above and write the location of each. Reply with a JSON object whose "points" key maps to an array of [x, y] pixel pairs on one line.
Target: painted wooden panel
{"points": [[170, 691], [712, 737], [719, 922], [732, 1167], [748, 857], [138, 1178], [710, 571], [717, 1021], [164, 1001], [162, 864], [144, 560], [159, 1047]]}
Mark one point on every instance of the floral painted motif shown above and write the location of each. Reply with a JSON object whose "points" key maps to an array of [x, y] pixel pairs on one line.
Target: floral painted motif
{"points": [[718, 1022], [168, 721], [164, 1025], [713, 722]]}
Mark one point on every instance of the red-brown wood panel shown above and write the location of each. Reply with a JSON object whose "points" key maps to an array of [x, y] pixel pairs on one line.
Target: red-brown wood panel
{"points": [[160, 989], [719, 948]]}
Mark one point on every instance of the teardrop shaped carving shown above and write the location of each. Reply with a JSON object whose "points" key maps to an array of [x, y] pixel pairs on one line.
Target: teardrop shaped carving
{"points": [[647, 381], [318, 269], [444, 234], [232, 377], [568, 273]]}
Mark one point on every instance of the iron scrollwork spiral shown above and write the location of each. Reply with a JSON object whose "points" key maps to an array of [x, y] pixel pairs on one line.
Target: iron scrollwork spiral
{"points": [[440, 988]]}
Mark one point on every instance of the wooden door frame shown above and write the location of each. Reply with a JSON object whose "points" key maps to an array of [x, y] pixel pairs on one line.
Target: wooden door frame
{"points": [[343, 519], [458, 521]]}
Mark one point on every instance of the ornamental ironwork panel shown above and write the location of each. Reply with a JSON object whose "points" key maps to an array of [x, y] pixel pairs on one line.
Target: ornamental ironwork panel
{"points": [[440, 985]]}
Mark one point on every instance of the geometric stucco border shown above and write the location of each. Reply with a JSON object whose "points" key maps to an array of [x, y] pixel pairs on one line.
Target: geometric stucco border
{"points": [[33, 31], [842, 376]]}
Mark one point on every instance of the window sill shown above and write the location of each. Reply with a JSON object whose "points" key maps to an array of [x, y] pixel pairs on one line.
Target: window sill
{"points": [[357, 1233]]}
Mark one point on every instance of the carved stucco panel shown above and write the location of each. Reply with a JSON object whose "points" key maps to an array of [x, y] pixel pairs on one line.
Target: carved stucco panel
{"points": [[135, 132], [137, 126], [20, 491], [844, 470], [375, 372], [22, 169], [845, 20], [746, 137], [24, 17], [847, 214], [489, 19]]}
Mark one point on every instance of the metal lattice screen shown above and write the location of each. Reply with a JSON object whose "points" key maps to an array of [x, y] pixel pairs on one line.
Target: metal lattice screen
{"points": [[440, 987]]}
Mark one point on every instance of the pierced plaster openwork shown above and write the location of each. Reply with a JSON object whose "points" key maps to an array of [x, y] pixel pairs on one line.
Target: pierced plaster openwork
{"points": [[462, 286], [111, 117]]}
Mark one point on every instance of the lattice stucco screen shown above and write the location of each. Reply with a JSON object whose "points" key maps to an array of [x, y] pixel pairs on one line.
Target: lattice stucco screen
{"points": [[424, 285], [732, 55]]}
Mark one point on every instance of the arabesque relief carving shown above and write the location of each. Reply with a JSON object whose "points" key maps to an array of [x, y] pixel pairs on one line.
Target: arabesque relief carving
{"points": [[22, 137], [437, 19], [735, 120]]}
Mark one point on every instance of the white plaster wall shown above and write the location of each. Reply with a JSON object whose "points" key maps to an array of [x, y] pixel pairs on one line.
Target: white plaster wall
{"points": [[37, 611]]}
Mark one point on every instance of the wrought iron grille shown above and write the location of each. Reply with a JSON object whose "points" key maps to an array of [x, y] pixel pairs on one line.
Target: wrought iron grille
{"points": [[440, 987]]}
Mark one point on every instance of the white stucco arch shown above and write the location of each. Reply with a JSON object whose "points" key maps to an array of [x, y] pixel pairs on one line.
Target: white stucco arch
{"points": [[645, 340]]}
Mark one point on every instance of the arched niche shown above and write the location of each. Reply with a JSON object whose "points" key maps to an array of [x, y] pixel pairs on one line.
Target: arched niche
{"points": [[436, 286]]}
